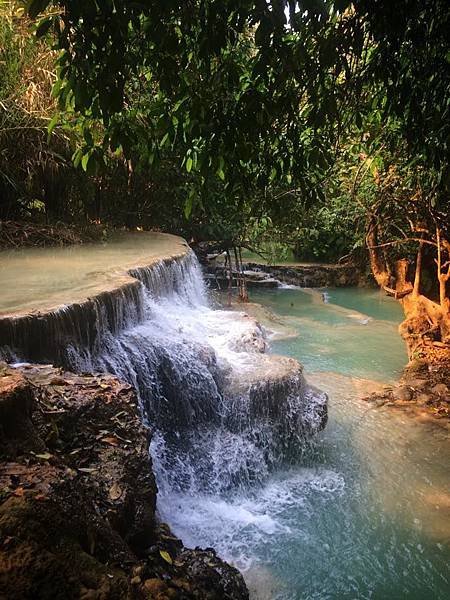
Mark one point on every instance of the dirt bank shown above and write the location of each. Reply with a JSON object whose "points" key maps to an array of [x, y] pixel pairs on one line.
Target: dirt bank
{"points": [[78, 498], [21, 234]]}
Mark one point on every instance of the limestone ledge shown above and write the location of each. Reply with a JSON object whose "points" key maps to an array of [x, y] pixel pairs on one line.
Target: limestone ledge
{"points": [[263, 276], [43, 335], [276, 387]]}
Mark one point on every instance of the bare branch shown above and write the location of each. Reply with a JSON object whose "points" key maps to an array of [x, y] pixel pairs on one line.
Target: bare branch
{"points": [[396, 242]]}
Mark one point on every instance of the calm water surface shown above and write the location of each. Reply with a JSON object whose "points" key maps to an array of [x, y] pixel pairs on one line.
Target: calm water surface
{"points": [[38, 278]]}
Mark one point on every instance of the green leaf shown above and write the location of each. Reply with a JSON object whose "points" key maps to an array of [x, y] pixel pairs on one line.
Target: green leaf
{"points": [[189, 204], [85, 160], [164, 140], [189, 163], [76, 158], [52, 125], [56, 88]]}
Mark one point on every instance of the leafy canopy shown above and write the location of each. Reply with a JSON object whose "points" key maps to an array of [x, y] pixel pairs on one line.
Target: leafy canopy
{"points": [[235, 89], [250, 96]]}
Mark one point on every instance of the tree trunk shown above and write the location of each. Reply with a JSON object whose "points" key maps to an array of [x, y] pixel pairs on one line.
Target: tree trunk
{"points": [[425, 321], [377, 261]]}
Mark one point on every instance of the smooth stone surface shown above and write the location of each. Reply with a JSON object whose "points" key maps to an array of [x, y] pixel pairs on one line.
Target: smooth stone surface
{"points": [[43, 279]]}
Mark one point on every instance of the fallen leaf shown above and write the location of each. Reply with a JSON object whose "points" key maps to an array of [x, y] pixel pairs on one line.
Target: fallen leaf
{"points": [[44, 456], [19, 492], [87, 469], [166, 556], [115, 491], [113, 441]]}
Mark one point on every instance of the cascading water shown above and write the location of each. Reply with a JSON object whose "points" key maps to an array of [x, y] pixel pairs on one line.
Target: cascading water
{"points": [[224, 413], [363, 513]]}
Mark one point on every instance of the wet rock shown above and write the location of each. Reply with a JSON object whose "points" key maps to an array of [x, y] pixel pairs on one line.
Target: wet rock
{"points": [[279, 395], [303, 275], [423, 399], [440, 389], [312, 275], [222, 581], [253, 338], [402, 393], [77, 510], [268, 283]]}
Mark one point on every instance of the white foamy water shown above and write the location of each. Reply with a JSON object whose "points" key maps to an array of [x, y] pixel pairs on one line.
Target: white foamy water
{"points": [[239, 526], [224, 413]]}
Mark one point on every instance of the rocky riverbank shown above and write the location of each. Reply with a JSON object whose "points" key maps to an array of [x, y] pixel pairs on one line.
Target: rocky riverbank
{"points": [[258, 275], [423, 390], [315, 275], [78, 497]]}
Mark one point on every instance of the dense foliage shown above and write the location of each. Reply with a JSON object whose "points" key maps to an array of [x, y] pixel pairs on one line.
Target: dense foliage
{"points": [[318, 126]]}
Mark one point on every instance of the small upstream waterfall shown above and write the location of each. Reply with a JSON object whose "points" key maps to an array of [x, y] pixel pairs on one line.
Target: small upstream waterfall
{"points": [[224, 413]]}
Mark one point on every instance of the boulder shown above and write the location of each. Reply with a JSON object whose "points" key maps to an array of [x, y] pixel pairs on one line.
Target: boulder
{"points": [[402, 393]]}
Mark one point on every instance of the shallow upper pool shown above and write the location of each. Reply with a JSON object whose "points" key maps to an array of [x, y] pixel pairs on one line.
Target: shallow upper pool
{"points": [[347, 330], [42, 278]]}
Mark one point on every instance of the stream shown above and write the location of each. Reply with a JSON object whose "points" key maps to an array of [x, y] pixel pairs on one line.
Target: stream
{"points": [[366, 511], [359, 509]]}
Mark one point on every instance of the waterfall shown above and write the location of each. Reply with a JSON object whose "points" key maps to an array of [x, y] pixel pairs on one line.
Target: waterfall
{"points": [[223, 411]]}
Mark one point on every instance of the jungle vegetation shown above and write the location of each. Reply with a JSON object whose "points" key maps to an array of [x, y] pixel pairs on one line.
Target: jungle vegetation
{"points": [[321, 125]]}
